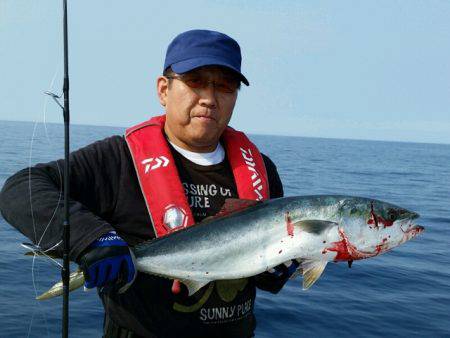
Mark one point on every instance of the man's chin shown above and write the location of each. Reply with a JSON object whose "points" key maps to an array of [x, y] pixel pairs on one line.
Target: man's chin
{"points": [[203, 143]]}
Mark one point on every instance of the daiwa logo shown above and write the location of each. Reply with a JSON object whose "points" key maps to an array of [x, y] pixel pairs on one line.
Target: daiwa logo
{"points": [[159, 162], [256, 179]]}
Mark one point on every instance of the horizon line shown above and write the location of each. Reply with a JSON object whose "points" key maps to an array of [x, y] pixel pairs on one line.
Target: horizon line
{"points": [[250, 133]]}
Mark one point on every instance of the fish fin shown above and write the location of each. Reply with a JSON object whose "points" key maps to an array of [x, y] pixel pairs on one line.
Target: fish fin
{"points": [[314, 226], [194, 285], [233, 205], [312, 270]]}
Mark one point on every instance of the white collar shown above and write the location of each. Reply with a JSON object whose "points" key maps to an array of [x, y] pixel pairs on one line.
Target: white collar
{"points": [[204, 159]]}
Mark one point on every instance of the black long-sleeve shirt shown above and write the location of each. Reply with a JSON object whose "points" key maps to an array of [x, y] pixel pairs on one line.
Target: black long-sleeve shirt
{"points": [[104, 196]]}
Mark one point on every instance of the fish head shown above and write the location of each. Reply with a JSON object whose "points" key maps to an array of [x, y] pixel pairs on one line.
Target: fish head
{"points": [[395, 221], [401, 226], [380, 226]]}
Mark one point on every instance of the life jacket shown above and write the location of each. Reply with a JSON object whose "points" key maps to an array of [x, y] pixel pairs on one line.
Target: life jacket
{"points": [[160, 182]]}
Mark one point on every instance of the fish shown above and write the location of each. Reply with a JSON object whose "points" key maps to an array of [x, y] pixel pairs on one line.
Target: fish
{"points": [[247, 238]]}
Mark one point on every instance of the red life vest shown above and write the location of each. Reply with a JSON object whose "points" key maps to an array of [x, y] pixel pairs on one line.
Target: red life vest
{"points": [[160, 183]]}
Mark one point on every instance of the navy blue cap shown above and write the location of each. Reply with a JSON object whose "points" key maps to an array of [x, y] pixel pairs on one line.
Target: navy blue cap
{"points": [[197, 48]]}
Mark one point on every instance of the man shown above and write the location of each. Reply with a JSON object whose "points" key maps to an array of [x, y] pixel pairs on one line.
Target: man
{"points": [[165, 174]]}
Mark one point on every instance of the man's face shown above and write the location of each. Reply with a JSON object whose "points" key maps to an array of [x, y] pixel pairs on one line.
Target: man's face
{"points": [[198, 106]]}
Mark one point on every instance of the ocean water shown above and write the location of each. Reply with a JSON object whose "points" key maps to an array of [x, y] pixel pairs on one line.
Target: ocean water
{"points": [[404, 293]]}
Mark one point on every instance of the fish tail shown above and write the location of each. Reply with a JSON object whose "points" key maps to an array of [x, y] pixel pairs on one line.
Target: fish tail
{"points": [[76, 280]]}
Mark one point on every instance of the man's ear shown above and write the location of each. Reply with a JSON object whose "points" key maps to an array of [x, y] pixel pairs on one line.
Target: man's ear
{"points": [[162, 86]]}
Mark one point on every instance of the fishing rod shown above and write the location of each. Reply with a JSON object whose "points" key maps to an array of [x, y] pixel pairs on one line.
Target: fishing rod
{"points": [[65, 270]]}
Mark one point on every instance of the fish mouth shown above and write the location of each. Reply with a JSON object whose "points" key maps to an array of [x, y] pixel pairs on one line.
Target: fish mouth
{"points": [[419, 229], [413, 230]]}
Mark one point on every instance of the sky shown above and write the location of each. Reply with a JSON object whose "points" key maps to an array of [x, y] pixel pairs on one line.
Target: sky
{"points": [[375, 70]]}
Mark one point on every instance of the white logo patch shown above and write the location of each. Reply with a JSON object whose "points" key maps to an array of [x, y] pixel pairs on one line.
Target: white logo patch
{"points": [[160, 161], [256, 179]]}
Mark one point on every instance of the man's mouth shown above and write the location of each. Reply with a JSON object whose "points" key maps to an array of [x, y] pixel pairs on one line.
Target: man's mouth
{"points": [[205, 117]]}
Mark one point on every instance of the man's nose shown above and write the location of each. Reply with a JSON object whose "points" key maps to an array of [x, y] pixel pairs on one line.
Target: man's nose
{"points": [[208, 96]]}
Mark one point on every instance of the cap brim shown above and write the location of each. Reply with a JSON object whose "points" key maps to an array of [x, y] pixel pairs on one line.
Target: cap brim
{"points": [[190, 64]]}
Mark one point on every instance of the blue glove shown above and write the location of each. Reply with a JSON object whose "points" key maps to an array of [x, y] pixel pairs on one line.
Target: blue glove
{"points": [[285, 270], [108, 262]]}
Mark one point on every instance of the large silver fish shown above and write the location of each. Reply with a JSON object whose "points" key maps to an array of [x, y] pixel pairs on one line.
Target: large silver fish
{"points": [[248, 238]]}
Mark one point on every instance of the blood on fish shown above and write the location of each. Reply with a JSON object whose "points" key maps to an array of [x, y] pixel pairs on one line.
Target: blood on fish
{"points": [[373, 217], [347, 251], [385, 222], [376, 220], [289, 225]]}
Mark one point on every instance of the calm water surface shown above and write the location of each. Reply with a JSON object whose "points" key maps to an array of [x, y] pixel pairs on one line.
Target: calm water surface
{"points": [[404, 293]]}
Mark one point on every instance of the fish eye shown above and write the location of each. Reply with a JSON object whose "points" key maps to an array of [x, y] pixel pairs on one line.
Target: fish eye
{"points": [[392, 214]]}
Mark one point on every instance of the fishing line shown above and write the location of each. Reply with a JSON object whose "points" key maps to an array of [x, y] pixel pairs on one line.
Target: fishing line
{"points": [[31, 205], [37, 251], [57, 166], [30, 168], [39, 305], [29, 327], [64, 187]]}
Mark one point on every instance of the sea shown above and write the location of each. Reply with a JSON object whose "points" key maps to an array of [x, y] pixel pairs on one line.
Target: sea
{"points": [[403, 293]]}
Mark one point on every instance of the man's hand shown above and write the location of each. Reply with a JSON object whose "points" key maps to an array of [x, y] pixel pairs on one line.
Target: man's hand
{"points": [[108, 262]]}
